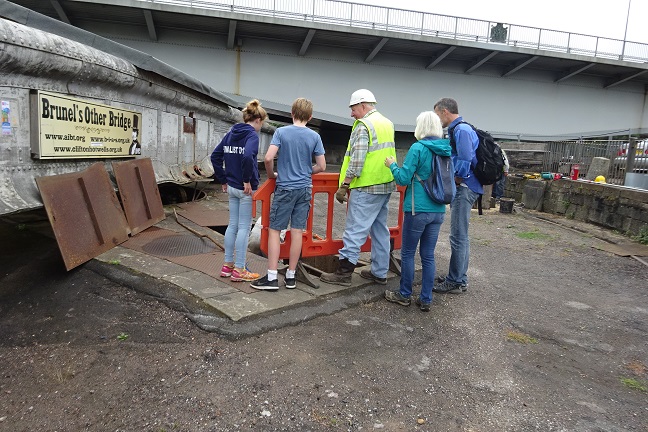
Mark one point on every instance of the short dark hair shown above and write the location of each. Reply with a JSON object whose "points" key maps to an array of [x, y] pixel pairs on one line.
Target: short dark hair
{"points": [[448, 104]]}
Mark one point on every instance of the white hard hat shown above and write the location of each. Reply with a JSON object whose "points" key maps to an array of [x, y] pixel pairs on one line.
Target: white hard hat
{"points": [[362, 95]]}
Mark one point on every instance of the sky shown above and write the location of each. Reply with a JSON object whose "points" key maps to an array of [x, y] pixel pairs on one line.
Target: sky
{"points": [[591, 17]]}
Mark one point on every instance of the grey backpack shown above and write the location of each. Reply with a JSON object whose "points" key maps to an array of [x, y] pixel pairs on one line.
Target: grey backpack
{"points": [[440, 186]]}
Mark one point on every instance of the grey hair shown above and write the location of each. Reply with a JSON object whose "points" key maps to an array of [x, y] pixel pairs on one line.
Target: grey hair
{"points": [[448, 104], [428, 124]]}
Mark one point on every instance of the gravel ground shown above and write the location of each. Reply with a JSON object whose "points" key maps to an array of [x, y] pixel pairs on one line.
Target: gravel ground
{"points": [[551, 336]]}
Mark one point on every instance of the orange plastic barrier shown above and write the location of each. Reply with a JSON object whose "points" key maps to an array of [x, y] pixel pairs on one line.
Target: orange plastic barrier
{"points": [[312, 243]]}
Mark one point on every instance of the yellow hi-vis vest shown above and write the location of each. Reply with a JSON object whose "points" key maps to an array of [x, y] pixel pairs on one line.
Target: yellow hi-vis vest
{"points": [[381, 145]]}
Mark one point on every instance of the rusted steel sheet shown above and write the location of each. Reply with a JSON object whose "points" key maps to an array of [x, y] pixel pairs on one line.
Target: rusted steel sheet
{"points": [[209, 263], [139, 193], [204, 216], [84, 212]]}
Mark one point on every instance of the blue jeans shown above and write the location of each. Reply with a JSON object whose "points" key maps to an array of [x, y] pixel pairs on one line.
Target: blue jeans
{"points": [[423, 227], [237, 234], [367, 214], [459, 240], [498, 187]]}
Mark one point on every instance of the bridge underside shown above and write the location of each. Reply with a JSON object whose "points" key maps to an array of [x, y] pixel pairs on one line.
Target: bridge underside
{"points": [[514, 92]]}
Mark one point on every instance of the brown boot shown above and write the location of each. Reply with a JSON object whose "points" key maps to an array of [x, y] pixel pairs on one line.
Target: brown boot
{"points": [[342, 275]]}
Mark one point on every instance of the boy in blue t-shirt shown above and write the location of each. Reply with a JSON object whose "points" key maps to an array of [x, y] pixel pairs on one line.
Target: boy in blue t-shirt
{"points": [[295, 145]]}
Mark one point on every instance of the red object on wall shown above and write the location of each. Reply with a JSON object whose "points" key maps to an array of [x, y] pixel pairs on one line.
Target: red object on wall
{"points": [[574, 171]]}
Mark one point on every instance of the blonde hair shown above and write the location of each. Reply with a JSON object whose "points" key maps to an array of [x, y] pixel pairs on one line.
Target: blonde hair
{"points": [[428, 124], [253, 110], [302, 109]]}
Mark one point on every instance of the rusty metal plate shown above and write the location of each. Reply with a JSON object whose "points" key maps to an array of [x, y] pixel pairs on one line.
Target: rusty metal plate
{"points": [[210, 264], [207, 263], [139, 193], [204, 216], [84, 212]]}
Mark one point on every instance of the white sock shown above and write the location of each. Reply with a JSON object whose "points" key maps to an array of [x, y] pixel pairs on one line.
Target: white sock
{"points": [[272, 275], [290, 274]]}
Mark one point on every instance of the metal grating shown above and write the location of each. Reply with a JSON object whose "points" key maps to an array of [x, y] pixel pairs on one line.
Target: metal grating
{"points": [[179, 245], [208, 263]]}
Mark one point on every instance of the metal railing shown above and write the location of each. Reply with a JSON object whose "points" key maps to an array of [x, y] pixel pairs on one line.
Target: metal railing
{"points": [[561, 156], [428, 24]]}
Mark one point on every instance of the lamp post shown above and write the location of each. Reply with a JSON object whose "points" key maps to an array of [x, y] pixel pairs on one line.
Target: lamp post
{"points": [[625, 34]]}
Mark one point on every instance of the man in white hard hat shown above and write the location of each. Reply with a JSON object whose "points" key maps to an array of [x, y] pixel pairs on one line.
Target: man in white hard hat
{"points": [[371, 183]]}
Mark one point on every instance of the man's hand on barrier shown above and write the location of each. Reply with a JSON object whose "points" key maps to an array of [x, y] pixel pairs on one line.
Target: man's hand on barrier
{"points": [[341, 194]]}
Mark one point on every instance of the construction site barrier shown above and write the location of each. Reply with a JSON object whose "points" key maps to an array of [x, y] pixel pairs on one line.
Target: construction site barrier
{"points": [[313, 243]]}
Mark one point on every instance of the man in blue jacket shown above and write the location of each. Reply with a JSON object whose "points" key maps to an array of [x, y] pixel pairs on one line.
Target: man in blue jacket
{"points": [[464, 142]]}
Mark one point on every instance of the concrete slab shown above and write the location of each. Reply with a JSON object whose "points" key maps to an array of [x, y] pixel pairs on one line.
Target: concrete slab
{"points": [[200, 284], [237, 306], [231, 301], [533, 194], [600, 166], [141, 262]]}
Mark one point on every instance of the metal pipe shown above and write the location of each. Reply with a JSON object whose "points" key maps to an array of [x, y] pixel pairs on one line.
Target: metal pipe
{"points": [[625, 34]]}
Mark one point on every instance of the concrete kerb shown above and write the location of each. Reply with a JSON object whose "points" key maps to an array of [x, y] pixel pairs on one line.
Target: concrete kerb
{"points": [[291, 316], [584, 228], [212, 320], [170, 294]]}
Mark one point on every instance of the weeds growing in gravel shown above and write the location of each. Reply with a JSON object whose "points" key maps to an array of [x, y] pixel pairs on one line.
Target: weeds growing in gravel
{"points": [[533, 235], [520, 337], [642, 237], [635, 384]]}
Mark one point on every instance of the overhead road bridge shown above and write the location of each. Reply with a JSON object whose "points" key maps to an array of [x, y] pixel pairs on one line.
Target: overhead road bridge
{"points": [[518, 82]]}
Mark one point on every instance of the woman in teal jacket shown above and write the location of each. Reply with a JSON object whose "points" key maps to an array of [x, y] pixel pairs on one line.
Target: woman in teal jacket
{"points": [[423, 217]]}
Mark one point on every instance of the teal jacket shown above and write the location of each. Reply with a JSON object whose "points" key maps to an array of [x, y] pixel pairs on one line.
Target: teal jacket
{"points": [[419, 160]]}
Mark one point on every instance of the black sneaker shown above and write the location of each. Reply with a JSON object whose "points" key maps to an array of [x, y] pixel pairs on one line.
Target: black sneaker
{"points": [[265, 284], [290, 283], [368, 275], [397, 297], [441, 279], [447, 287], [425, 307]]}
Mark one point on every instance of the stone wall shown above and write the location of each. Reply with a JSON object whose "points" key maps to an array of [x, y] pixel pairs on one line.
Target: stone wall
{"points": [[615, 207], [527, 156]]}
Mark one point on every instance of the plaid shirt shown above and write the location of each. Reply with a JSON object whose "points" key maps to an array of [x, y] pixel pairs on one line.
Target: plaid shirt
{"points": [[359, 146]]}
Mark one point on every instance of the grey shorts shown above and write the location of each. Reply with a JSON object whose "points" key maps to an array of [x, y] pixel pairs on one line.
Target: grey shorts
{"points": [[290, 206]]}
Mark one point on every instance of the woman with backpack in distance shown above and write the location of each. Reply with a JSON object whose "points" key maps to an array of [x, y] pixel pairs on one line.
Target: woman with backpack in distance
{"points": [[239, 149], [422, 216]]}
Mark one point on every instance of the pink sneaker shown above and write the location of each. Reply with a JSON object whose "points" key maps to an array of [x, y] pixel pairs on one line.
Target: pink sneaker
{"points": [[240, 275], [226, 270]]}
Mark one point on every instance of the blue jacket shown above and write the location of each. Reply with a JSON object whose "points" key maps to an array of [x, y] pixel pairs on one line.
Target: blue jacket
{"points": [[238, 149], [464, 156], [419, 160]]}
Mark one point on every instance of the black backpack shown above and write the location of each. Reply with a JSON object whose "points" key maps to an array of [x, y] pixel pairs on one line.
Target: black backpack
{"points": [[440, 186], [490, 160]]}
